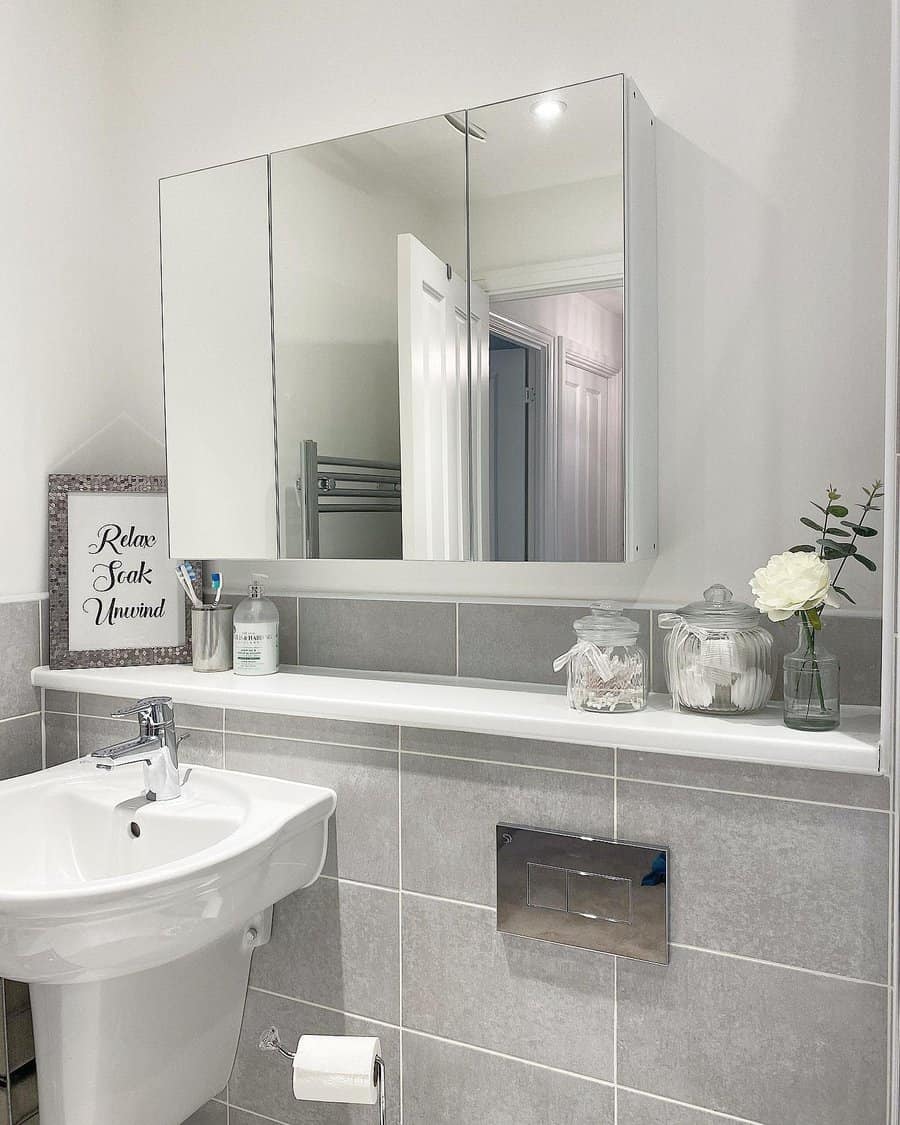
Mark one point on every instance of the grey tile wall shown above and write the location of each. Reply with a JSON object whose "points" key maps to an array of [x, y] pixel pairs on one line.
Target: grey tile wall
{"points": [[772, 1011], [516, 642], [21, 737]]}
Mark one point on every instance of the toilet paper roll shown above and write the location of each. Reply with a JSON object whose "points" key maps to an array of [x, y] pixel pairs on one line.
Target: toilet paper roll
{"points": [[336, 1068]]}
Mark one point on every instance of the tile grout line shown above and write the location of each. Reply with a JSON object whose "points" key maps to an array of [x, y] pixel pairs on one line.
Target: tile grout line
{"points": [[615, 1042], [400, 915], [780, 965], [758, 796], [690, 1105], [673, 944], [306, 741], [27, 715], [456, 604], [43, 731]]}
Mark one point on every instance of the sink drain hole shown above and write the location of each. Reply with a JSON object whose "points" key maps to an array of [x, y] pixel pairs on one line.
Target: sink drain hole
{"points": [[135, 829]]}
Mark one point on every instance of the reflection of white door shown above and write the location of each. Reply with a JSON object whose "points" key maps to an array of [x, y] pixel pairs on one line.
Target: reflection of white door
{"points": [[590, 509], [434, 404]]}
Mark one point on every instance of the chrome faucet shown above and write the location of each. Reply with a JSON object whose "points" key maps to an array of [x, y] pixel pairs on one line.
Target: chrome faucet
{"points": [[156, 746]]}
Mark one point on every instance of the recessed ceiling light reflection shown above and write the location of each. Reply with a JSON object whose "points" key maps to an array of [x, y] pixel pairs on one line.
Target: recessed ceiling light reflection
{"points": [[549, 109]]}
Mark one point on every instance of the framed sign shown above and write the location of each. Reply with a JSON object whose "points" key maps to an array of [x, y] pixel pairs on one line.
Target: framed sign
{"points": [[114, 596]]}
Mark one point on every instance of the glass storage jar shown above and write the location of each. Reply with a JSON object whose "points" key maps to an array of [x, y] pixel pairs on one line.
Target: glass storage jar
{"points": [[606, 667], [718, 657]]}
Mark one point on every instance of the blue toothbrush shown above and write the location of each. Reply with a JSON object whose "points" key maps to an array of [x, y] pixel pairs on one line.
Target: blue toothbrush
{"points": [[216, 580]]}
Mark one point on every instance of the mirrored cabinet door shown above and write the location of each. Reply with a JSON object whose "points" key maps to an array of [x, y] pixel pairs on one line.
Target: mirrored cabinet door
{"points": [[550, 385], [368, 269], [419, 414], [217, 357]]}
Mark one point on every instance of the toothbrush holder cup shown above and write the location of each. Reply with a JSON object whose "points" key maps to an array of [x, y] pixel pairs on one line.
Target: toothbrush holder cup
{"points": [[212, 631]]}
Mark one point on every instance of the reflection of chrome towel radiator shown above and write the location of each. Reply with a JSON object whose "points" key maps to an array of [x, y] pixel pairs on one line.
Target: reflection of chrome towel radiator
{"points": [[325, 484]]}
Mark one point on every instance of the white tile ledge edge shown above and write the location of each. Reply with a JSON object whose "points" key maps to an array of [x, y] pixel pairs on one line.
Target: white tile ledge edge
{"points": [[546, 716]]}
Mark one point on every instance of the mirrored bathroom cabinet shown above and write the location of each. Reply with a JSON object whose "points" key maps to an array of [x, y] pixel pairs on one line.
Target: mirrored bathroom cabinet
{"points": [[436, 340]]}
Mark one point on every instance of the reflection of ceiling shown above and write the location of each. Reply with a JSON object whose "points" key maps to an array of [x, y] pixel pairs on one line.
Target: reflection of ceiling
{"points": [[612, 299], [521, 154]]}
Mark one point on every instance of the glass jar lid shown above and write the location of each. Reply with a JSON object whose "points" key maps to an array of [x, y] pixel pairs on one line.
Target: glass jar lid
{"points": [[607, 625], [719, 611]]}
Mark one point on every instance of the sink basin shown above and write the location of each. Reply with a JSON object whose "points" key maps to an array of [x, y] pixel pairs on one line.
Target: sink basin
{"points": [[96, 882], [134, 922]]}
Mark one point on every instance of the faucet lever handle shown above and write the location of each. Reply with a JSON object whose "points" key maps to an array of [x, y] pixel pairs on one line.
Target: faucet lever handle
{"points": [[156, 709]]}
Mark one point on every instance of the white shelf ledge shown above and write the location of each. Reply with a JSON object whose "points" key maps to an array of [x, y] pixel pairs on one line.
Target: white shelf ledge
{"points": [[531, 713]]}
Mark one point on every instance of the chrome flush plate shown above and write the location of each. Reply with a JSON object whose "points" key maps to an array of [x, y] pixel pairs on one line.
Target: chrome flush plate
{"points": [[585, 891]]}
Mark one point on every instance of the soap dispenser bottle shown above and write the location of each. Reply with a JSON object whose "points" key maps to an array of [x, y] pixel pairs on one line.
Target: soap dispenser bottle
{"points": [[256, 633]]}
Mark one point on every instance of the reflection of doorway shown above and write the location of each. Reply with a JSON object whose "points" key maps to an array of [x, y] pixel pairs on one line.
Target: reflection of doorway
{"points": [[510, 477], [556, 420]]}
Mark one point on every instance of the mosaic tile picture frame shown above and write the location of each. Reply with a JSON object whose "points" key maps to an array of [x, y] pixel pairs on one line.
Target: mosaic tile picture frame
{"points": [[60, 488]]}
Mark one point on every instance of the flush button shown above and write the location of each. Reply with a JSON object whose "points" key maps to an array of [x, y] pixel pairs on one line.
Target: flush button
{"points": [[575, 889], [547, 887], [599, 896]]}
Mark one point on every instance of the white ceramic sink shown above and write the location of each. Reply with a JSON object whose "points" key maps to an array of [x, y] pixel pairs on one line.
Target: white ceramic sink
{"points": [[135, 921], [96, 882]]}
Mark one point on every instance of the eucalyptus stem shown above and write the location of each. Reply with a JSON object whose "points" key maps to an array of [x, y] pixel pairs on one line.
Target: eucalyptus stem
{"points": [[816, 678]]}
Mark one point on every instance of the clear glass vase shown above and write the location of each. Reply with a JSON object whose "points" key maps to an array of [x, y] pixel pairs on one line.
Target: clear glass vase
{"points": [[812, 683]]}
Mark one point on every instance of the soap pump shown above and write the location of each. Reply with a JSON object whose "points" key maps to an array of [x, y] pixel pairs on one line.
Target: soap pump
{"points": [[256, 632]]}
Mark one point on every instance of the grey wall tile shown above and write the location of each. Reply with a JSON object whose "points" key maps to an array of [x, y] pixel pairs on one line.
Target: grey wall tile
{"points": [[757, 1041], [20, 746], [201, 748], [500, 748], [379, 636], [378, 735], [462, 980], [450, 809], [193, 715], [20, 643], [856, 641], [213, 1113], [364, 831], [61, 732], [445, 1084], [288, 652], [638, 1109], [336, 944], [262, 1082], [94, 733], [747, 777], [794, 883], [520, 642], [62, 701]]}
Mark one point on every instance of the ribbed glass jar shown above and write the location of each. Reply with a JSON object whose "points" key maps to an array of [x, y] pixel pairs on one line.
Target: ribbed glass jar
{"points": [[718, 657], [606, 667]]}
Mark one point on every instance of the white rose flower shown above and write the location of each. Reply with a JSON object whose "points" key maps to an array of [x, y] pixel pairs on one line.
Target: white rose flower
{"points": [[789, 583]]}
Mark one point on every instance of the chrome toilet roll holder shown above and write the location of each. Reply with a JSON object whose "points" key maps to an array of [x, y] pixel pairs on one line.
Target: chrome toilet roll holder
{"points": [[271, 1041]]}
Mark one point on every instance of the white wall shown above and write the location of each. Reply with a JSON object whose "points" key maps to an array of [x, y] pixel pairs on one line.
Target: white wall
{"points": [[64, 404], [773, 167]]}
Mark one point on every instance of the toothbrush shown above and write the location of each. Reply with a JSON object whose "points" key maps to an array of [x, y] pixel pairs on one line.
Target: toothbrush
{"points": [[185, 574], [216, 580]]}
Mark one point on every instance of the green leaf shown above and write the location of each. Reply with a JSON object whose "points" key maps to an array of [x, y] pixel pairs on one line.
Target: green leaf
{"points": [[811, 523], [840, 590], [839, 531], [814, 619], [824, 511], [867, 563], [858, 529], [832, 550], [807, 547], [837, 510]]}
